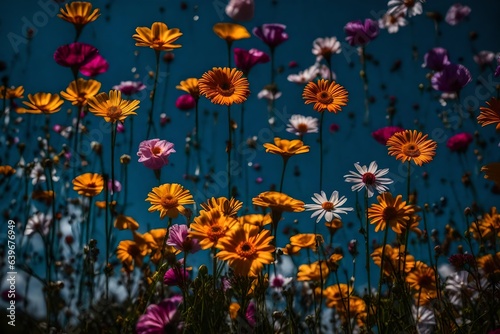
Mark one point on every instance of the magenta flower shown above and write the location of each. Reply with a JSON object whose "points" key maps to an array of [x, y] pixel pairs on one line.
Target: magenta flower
{"points": [[97, 65], [161, 318], [457, 13], [129, 87], [451, 79], [436, 59], [120, 128], [117, 188], [382, 135], [154, 153], [185, 102], [75, 55], [178, 238], [497, 71], [273, 34], [359, 33], [459, 142], [250, 314], [246, 59], [240, 10], [176, 275]]}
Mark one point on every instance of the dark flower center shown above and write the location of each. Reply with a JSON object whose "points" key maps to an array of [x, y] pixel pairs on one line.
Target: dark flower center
{"points": [[225, 89], [114, 112], [328, 206], [245, 249], [215, 232], [302, 128], [409, 3], [156, 150], [324, 97], [390, 213], [368, 178], [411, 150], [169, 202]]}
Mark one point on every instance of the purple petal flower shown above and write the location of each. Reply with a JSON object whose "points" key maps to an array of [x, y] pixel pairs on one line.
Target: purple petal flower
{"points": [[154, 153], [161, 318], [457, 13], [459, 142], [176, 275], [436, 59], [178, 238], [240, 10], [97, 65], [130, 87], [273, 34], [185, 102], [246, 59], [75, 55], [117, 188], [359, 33], [382, 135], [452, 78]]}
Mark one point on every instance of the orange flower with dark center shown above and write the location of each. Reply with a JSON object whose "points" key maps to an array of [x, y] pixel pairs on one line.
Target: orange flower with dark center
{"points": [[79, 91], [79, 13], [421, 277], [396, 260], [112, 107], [491, 114], [337, 294], [286, 148], [313, 271], [390, 211], [490, 265], [210, 226], [88, 184], [226, 207], [411, 145], [326, 95], [169, 200], [224, 86], [158, 37]]}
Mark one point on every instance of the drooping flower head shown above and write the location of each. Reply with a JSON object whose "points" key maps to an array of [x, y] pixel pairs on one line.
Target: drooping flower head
{"points": [[247, 249], [158, 37], [286, 148], [456, 14], [169, 199], [88, 184], [240, 10], [112, 107], [327, 207], [42, 103], [190, 86], [273, 34], [10, 93], [224, 86], [75, 55], [491, 114], [412, 145], [97, 65], [230, 32], [451, 79], [179, 239], [369, 178], [459, 142], [360, 33], [79, 13], [326, 95], [161, 318], [154, 153], [382, 135], [390, 211], [78, 92], [436, 59], [129, 88], [245, 60]]}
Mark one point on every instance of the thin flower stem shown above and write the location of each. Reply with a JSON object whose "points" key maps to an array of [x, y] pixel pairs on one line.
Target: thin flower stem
{"points": [[321, 151], [197, 143], [285, 161], [381, 276], [229, 43], [408, 182], [229, 149], [153, 94], [367, 250], [363, 75], [214, 264]]}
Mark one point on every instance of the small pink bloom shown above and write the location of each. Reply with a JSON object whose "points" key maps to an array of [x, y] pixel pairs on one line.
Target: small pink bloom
{"points": [[240, 10], [334, 128], [259, 180], [292, 64], [457, 13], [459, 142], [97, 65], [382, 135], [117, 188], [130, 87], [179, 239], [57, 128], [185, 102], [154, 153], [246, 59], [120, 128], [176, 275]]}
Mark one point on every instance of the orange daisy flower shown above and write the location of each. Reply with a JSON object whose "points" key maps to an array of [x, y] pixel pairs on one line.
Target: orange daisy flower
{"points": [[395, 260], [224, 86], [158, 37], [411, 145], [306, 240], [286, 148], [211, 226], [491, 114], [489, 226], [42, 103], [155, 240], [326, 95], [247, 249], [222, 204], [123, 222], [311, 272], [489, 264], [421, 277], [492, 172], [391, 211], [79, 13], [255, 219], [7, 170], [190, 86], [169, 199], [111, 106], [79, 91], [337, 294], [230, 31], [88, 184], [11, 93], [278, 202], [131, 253]]}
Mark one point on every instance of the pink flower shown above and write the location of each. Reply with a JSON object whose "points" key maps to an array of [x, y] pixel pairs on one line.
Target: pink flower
{"points": [[117, 188], [97, 65], [185, 102], [273, 34], [176, 275], [459, 142], [457, 13], [130, 87], [75, 55], [120, 128], [178, 238], [382, 135], [154, 153], [160, 317], [240, 10], [246, 59]]}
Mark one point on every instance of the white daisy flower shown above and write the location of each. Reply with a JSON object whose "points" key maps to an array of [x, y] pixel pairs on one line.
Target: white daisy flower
{"points": [[268, 94], [458, 288], [369, 178], [406, 7], [392, 22], [278, 281], [328, 208], [38, 223], [299, 125], [425, 319], [325, 47], [309, 74], [38, 174]]}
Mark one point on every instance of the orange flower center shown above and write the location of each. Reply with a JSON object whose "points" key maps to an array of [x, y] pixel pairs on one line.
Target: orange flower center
{"points": [[133, 250], [215, 232], [411, 150], [390, 213], [368, 178], [156, 150], [91, 185], [324, 97], [169, 202], [302, 127], [328, 206], [425, 281], [245, 249], [225, 89], [114, 112]]}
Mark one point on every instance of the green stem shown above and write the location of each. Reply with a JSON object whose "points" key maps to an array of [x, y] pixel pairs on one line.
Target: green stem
{"points": [[381, 276], [285, 161], [363, 75], [229, 149], [321, 151], [367, 248], [153, 94]]}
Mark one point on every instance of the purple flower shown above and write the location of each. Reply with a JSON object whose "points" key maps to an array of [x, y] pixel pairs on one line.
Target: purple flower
{"points": [[457, 13], [497, 71], [452, 78], [117, 188], [359, 33], [129, 87], [246, 59], [250, 314], [382, 135], [161, 318], [97, 65], [436, 59], [459, 142], [484, 58], [185, 102], [176, 275], [75, 55], [179, 239], [154, 153], [273, 34], [240, 10]]}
